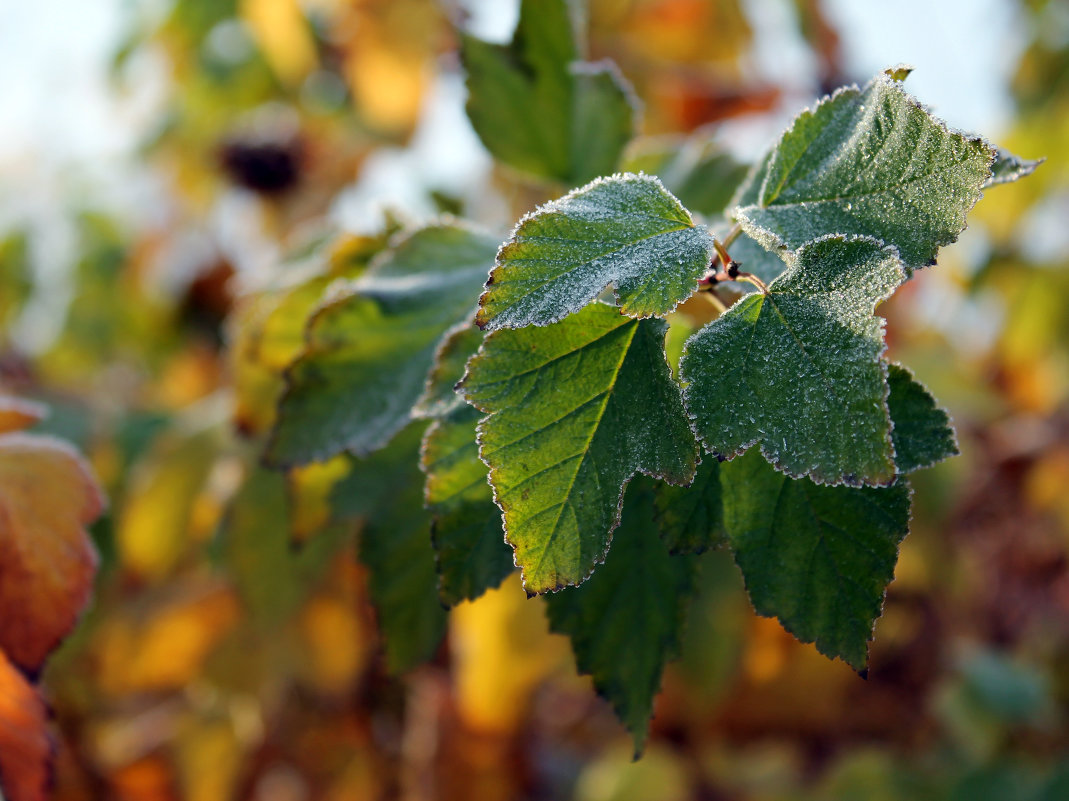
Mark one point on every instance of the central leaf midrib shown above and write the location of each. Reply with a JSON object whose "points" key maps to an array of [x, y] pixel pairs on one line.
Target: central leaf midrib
{"points": [[586, 449]]}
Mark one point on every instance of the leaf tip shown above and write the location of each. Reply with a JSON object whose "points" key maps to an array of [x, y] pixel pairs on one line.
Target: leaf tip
{"points": [[899, 72]]}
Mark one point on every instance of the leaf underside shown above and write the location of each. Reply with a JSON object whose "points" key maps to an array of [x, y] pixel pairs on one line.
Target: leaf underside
{"points": [[868, 162], [626, 231], [369, 352], [798, 370], [574, 410]]}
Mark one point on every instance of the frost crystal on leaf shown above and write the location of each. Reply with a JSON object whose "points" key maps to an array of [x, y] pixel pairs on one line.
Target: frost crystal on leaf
{"points": [[868, 162], [626, 231], [798, 370]]}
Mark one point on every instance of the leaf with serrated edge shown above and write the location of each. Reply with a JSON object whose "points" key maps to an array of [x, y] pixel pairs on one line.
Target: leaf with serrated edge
{"points": [[574, 411], [539, 110], [468, 536], [25, 746], [868, 162], [626, 622], [626, 231], [818, 558], [691, 519], [798, 370], [922, 433], [47, 562], [1009, 168], [368, 353]]}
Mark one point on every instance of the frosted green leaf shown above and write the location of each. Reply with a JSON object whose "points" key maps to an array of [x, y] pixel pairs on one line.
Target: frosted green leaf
{"points": [[575, 409], [696, 170], [540, 110], [626, 622], [626, 231], [798, 370], [691, 519], [368, 353], [395, 544], [869, 162], [818, 558], [922, 434], [468, 536], [1009, 168]]}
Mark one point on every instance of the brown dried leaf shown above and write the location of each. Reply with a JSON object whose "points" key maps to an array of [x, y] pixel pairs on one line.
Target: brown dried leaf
{"points": [[47, 561]]}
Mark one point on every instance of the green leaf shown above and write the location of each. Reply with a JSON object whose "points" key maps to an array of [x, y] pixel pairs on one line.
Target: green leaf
{"points": [[798, 370], [922, 433], [272, 576], [818, 558], [869, 162], [696, 170], [1009, 168], [395, 544], [626, 622], [368, 353], [440, 397], [468, 535], [575, 410], [539, 110], [626, 231], [691, 518]]}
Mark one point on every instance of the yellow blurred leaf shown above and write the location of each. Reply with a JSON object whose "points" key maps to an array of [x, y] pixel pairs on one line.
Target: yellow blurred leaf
{"points": [[160, 509], [310, 488], [163, 648], [336, 644], [502, 651], [209, 758], [17, 414], [284, 37], [388, 54]]}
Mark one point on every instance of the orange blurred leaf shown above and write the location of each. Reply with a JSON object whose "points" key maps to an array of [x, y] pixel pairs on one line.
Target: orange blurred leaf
{"points": [[47, 561], [25, 747], [16, 414]]}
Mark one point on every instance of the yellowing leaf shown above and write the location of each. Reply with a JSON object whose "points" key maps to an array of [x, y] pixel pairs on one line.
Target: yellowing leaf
{"points": [[335, 644], [283, 35], [166, 647], [47, 561], [502, 650], [310, 490], [209, 760], [154, 527], [25, 747]]}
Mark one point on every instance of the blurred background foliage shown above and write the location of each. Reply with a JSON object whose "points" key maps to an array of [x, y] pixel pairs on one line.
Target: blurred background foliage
{"points": [[231, 651]]}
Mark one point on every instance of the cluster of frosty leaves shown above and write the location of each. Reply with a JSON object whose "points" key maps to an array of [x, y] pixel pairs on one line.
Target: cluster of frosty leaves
{"points": [[785, 434]]}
